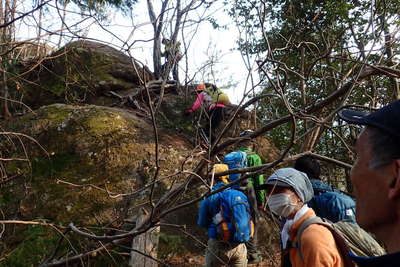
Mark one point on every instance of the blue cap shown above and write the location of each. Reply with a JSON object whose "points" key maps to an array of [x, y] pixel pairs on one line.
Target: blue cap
{"points": [[386, 118], [292, 178]]}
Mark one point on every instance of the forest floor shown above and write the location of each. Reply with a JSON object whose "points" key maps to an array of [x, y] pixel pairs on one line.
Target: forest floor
{"points": [[191, 260]]}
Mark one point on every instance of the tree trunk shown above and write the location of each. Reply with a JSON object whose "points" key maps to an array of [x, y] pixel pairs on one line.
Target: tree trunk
{"points": [[6, 14], [146, 243], [6, 111], [158, 24], [157, 57], [389, 55], [64, 15]]}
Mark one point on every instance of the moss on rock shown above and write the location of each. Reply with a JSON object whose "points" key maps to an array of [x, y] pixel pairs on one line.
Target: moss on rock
{"points": [[85, 163], [80, 72], [88, 154]]}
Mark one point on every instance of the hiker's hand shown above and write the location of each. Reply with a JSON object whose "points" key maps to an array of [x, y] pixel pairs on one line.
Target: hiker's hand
{"points": [[262, 208], [188, 112]]}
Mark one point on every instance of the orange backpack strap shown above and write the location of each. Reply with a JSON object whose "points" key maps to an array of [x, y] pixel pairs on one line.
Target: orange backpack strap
{"points": [[252, 228], [226, 235]]}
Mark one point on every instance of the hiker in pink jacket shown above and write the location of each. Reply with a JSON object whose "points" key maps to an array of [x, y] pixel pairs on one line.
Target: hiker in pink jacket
{"points": [[214, 110]]}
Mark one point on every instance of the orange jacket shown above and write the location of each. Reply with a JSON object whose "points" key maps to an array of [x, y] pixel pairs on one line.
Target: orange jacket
{"points": [[317, 245]]}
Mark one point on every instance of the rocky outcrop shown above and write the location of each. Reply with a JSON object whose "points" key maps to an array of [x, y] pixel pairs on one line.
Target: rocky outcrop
{"points": [[88, 168], [80, 72], [89, 158], [92, 164]]}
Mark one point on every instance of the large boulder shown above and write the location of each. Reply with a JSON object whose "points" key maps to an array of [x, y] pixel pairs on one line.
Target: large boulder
{"points": [[88, 156], [86, 166], [80, 72], [90, 164]]}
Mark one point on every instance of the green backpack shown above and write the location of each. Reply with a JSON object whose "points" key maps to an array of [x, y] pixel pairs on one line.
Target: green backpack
{"points": [[218, 96]]}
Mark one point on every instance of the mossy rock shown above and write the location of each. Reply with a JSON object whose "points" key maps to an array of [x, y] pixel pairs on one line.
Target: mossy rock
{"points": [[80, 72], [84, 152], [86, 164], [172, 117]]}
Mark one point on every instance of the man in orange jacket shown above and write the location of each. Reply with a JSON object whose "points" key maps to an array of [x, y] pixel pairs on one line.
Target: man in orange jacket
{"points": [[288, 191]]}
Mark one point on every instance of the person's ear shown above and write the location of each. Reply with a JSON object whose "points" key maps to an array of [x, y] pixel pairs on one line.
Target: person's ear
{"points": [[297, 198], [394, 186]]}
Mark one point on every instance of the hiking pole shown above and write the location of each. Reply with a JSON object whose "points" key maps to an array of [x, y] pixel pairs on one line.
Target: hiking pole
{"points": [[212, 178]]}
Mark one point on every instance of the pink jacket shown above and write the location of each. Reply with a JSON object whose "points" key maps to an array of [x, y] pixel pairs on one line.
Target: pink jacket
{"points": [[205, 99]]}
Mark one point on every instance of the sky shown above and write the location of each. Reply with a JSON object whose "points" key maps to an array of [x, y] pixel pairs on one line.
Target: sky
{"points": [[207, 42]]}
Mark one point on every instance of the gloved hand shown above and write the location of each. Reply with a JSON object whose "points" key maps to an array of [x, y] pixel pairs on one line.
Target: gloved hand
{"points": [[188, 112]]}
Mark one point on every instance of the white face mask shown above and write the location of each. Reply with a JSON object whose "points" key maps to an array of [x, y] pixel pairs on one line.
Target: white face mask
{"points": [[281, 204]]}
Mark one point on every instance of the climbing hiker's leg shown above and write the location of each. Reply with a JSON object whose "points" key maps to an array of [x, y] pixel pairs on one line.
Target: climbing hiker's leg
{"points": [[163, 69], [175, 71], [167, 66], [238, 256], [253, 254], [215, 120], [216, 253]]}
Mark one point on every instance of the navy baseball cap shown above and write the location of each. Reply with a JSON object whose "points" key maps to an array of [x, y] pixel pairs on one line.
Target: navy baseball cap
{"points": [[386, 118]]}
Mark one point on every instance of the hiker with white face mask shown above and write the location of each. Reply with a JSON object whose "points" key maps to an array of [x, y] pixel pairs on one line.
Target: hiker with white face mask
{"points": [[288, 191]]}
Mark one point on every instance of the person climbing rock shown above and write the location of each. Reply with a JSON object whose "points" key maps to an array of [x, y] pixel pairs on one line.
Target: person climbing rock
{"points": [[213, 101], [172, 56]]}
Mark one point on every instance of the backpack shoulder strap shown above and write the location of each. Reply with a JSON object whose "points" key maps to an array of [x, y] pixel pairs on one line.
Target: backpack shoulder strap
{"points": [[343, 248], [307, 222]]}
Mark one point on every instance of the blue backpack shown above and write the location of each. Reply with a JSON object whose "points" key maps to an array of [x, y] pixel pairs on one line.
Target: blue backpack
{"points": [[234, 223], [331, 204], [235, 160], [320, 187]]}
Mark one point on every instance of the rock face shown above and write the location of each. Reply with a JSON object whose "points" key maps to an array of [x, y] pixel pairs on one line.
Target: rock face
{"points": [[90, 157], [80, 72], [88, 168], [90, 164]]}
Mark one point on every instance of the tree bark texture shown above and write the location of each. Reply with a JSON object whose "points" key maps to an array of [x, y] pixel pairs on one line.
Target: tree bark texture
{"points": [[146, 243]]}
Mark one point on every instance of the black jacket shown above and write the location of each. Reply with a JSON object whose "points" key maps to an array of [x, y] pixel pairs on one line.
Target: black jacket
{"points": [[388, 260]]}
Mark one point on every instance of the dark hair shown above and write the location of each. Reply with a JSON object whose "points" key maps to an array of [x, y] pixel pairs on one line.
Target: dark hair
{"points": [[384, 147], [309, 166], [211, 86], [246, 132]]}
